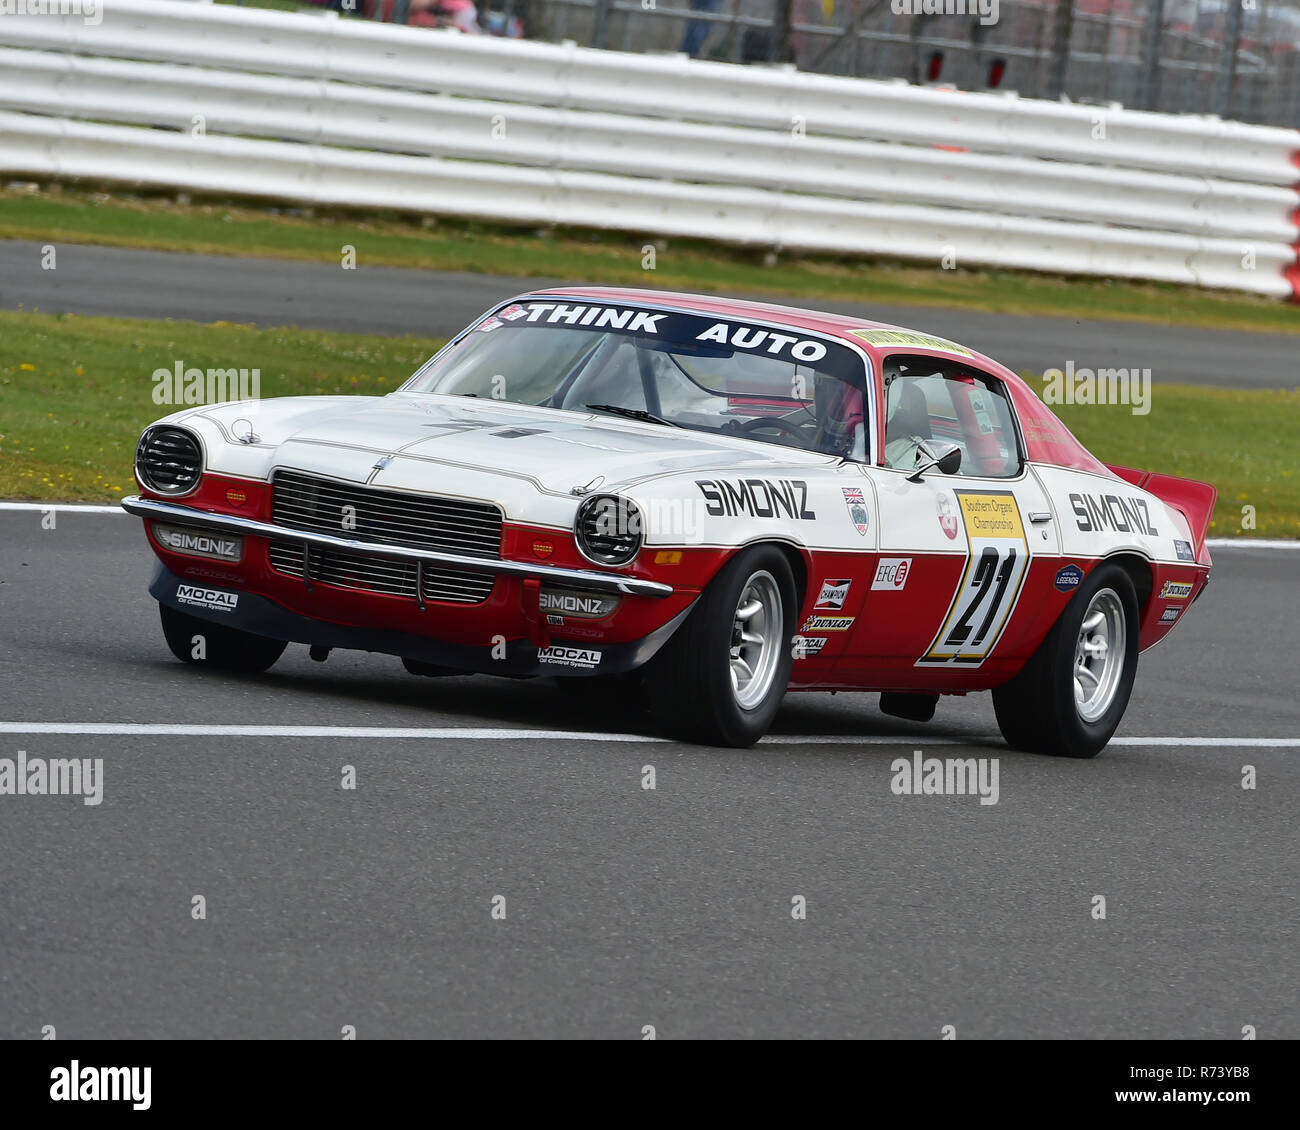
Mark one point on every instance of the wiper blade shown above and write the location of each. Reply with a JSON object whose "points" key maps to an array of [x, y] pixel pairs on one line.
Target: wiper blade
{"points": [[633, 414]]}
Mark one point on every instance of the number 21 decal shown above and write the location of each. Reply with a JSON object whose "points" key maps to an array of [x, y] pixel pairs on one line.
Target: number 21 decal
{"points": [[996, 563]]}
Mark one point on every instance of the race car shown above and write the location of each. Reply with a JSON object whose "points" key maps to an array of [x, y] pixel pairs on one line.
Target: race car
{"points": [[714, 500]]}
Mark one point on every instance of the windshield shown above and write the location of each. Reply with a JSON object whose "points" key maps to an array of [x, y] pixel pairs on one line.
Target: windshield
{"points": [[773, 384]]}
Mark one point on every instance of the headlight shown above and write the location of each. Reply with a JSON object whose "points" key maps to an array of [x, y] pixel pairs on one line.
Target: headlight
{"points": [[169, 460], [608, 529]]}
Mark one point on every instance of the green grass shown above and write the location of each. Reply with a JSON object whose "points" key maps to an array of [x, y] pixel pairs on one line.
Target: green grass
{"points": [[1242, 441], [75, 393], [57, 214]]}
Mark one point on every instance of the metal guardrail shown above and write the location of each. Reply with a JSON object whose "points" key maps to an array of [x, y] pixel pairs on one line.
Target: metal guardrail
{"points": [[312, 108]]}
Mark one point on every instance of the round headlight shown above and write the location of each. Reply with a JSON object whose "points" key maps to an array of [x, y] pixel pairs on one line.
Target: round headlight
{"points": [[168, 460], [608, 529]]}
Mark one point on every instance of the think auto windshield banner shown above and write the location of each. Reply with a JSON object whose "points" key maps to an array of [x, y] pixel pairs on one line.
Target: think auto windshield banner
{"points": [[700, 335]]}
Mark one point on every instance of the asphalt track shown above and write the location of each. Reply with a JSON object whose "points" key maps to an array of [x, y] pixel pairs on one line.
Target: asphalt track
{"points": [[388, 300], [624, 907]]}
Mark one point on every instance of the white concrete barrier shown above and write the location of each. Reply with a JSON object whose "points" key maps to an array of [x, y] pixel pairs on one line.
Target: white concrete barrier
{"points": [[310, 107]]}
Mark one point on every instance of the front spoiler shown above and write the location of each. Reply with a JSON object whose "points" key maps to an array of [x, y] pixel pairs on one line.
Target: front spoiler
{"points": [[264, 617], [231, 524]]}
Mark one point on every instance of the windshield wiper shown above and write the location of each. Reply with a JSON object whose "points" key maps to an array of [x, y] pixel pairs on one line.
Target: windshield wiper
{"points": [[633, 414]]}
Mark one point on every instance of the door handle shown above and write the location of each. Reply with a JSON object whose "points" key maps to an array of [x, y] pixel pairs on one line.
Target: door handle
{"points": [[1037, 516]]}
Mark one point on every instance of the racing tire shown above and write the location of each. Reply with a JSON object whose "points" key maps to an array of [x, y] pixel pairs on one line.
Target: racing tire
{"points": [[1070, 696], [227, 649], [720, 679]]}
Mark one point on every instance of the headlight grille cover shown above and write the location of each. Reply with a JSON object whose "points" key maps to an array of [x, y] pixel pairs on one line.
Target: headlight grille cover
{"points": [[608, 529], [169, 460]]}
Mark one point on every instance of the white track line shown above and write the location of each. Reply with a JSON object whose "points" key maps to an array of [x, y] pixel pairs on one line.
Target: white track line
{"points": [[1228, 743], [467, 733], [1247, 543], [85, 508], [62, 507]]}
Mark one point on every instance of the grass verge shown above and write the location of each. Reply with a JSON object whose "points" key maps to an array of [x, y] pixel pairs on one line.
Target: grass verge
{"points": [[75, 393], [1242, 441], [57, 213]]}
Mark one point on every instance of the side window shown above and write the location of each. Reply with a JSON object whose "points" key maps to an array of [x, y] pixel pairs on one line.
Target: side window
{"points": [[928, 400]]}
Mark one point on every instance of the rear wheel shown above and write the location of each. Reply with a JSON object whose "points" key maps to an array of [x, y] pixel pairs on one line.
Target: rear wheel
{"points": [[204, 643], [1069, 698], [721, 677]]}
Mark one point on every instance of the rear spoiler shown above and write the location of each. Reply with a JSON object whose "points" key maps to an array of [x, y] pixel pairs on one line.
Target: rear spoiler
{"points": [[1195, 500]]}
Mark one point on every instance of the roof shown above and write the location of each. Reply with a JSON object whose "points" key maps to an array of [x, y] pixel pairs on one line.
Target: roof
{"points": [[845, 326], [1047, 440]]}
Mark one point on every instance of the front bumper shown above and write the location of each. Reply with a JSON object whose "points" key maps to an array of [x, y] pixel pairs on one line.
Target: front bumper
{"points": [[517, 658], [589, 579]]}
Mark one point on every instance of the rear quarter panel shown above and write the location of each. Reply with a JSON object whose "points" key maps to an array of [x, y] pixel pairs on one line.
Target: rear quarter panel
{"points": [[1101, 517]]}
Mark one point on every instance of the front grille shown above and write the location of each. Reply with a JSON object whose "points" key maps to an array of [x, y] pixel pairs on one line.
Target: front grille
{"points": [[368, 573], [304, 502], [420, 521], [168, 460]]}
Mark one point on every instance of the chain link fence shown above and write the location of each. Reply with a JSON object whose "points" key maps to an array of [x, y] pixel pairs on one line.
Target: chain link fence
{"points": [[1169, 55]]}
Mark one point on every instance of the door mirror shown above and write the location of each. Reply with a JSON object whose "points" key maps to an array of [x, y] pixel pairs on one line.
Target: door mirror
{"points": [[945, 456]]}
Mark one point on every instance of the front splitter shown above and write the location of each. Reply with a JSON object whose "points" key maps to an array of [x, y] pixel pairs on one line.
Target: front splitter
{"points": [[518, 658]]}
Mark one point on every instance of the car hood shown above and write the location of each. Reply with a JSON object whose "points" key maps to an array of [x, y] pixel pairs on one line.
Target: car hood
{"points": [[557, 450]]}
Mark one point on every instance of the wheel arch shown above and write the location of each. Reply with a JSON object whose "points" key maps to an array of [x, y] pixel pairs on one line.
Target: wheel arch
{"points": [[1140, 572], [797, 555]]}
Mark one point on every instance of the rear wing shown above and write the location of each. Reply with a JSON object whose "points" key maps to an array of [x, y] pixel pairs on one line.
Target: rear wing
{"points": [[1195, 500]]}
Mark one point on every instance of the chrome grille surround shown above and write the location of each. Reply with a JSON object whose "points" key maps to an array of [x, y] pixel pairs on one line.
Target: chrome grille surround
{"points": [[169, 460], [608, 529]]}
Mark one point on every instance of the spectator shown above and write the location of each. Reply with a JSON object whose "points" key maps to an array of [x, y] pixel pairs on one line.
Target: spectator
{"points": [[459, 14], [698, 31], [503, 24]]}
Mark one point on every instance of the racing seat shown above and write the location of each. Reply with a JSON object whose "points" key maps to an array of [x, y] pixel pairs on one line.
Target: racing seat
{"points": [[911, 415]]}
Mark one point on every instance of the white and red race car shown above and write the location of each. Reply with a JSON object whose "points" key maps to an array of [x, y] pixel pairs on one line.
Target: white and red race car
{"points": [[720, 500]]}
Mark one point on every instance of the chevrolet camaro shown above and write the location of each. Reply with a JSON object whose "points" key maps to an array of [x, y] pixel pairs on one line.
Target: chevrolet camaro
{"points": [[716, 501]]}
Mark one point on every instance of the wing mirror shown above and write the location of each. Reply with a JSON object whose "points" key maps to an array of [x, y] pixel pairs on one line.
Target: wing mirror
{"points": [[945, 456]]}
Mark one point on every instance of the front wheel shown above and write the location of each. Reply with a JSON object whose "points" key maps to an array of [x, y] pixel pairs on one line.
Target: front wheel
{"points": [[215, 645], [1069, 698], [721, 677]]}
